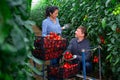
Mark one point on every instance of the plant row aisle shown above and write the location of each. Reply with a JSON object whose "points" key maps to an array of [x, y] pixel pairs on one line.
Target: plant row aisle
{"points": [[101, 17], [16, 39]]}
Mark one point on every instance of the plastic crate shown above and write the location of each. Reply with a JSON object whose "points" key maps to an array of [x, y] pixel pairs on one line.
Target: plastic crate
{"points": [[42, 43], [47, 49], [62, 72], [46, 56]]}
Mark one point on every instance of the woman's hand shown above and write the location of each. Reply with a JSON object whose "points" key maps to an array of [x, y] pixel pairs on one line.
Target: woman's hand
{"points": [[66, 26]]}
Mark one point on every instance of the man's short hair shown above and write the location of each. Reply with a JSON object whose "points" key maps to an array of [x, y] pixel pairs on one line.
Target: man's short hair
{"points": [[83, 29]]}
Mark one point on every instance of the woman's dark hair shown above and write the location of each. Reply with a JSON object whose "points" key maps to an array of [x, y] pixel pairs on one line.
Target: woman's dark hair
{"points": [[50, 9]]}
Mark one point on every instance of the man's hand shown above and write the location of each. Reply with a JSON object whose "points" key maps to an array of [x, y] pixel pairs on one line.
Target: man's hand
{"points": [[74, 57]]}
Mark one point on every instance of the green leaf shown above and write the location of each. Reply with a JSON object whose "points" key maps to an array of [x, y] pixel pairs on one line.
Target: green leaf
{"points": [[28, 25], [4, 21], [108, 56], [107, 2], [113, 69], [4, 32], [109, 48], [113, 27], [111, 59], [117, 61], [18, 38], [118, 69], [103, 23], [15, 3], [118, 19], [112, 40], [28, 73], [110, 33], [19, 20], [114, 52], [4, 11], [9, 48], [38, 61], [34, 69]]}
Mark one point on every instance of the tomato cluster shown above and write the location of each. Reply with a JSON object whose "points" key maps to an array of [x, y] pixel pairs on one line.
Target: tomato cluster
{"points": [[53, 36], [49, 47], [47, 56], [54, 41], [102, 39], [50, 41], [52, 70], [95, 59], [68, 55], [68, 70], [118, 30], [63, 71], [68, 65]]}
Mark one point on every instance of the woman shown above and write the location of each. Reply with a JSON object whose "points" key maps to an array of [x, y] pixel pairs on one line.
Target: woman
{"points": [[51, 23]]}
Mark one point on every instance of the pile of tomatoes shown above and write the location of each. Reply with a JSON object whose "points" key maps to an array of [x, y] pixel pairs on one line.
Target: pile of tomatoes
{"points": [[50, 47], [68, 55], [65, 70]]}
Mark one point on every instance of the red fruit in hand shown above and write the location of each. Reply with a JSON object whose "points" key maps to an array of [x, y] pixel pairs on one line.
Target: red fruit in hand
{"points": [[68, 55]]}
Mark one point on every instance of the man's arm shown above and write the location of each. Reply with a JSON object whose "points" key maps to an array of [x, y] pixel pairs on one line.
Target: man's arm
{"points": [[69, 46]]}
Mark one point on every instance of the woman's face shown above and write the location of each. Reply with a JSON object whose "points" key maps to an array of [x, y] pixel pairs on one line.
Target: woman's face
{"points": [[78, 33], [54, 14]]}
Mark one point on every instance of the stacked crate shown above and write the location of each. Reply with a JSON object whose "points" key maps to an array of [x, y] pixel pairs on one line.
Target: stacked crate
{"points": [[66, 70], [49, 47]]}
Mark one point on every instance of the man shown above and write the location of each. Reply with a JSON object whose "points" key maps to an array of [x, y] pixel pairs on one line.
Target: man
{"points": [[77, 44]]}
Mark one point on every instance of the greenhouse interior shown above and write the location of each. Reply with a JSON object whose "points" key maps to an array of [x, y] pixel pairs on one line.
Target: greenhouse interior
{"points": [[59, 39]]}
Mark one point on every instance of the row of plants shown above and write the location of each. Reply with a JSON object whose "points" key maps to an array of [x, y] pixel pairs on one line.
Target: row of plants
{"points": [[102, 19], [16, 39]]}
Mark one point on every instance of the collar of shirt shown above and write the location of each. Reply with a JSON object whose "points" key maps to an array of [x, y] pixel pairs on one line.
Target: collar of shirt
{"points": [[79, 41], [51, 20]]}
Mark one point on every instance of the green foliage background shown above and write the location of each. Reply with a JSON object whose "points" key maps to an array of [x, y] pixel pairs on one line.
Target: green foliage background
{"points": [[16, 39], [101, 17]]}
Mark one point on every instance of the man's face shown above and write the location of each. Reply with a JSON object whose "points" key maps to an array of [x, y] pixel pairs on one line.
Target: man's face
{"points": [[78, 33]]}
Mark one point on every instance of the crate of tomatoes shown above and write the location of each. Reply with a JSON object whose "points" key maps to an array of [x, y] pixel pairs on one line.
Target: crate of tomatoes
{"points": [[64, 71], [49, 47]]}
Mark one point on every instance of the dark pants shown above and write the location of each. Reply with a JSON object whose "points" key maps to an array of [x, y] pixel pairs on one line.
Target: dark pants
{"points": [[88, 67], [54, 62]]}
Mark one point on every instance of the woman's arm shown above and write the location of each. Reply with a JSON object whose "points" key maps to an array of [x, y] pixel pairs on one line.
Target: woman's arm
{"points": [[44, 28]]}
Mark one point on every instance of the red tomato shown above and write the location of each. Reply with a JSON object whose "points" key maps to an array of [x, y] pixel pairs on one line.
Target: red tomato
{"points": [[96, 59], [68, 55], [66, 65]]}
